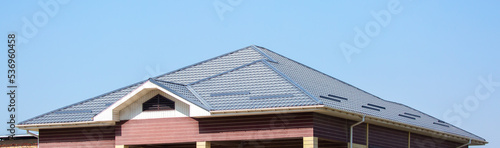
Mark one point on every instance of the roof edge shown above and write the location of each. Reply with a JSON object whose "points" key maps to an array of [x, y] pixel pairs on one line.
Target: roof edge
{"points": [[64, 107], [36, 127], [352, 116]]}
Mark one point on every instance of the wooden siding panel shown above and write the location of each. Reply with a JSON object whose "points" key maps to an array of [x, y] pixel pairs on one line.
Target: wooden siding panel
{"points": [[96, 137], [421, 141], [385, 137], [185, 129]]}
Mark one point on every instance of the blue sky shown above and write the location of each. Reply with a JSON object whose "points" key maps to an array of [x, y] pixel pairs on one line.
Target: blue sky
{"points": [[430, 55]]}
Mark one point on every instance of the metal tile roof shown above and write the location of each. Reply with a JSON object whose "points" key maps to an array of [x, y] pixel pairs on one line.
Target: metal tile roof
{"points": [[255, 77], [78, 112], [320, 84], [266, 89]]}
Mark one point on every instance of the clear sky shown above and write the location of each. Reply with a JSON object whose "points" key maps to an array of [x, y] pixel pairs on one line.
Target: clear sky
{"points": [[440, 57]]}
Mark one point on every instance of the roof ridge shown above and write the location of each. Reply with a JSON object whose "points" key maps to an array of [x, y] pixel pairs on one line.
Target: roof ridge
{"points": [[254, 47], [200, 62], [83, 101], [178, 94], [322, 73], [293, 83], [168, 82], [207, 78], [202, 100]]}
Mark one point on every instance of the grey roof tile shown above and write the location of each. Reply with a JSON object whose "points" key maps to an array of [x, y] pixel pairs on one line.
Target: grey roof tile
{"points": [[256, 78], [212, 66], [270, 79], [96, 105], [318, 83]]}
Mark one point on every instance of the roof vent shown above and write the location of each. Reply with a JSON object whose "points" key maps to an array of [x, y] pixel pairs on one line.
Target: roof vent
{"points": [[73, 111], [108, 104], [417, 116], [373, 105], [272, 96], [367, 107], [440, 124], [333, 98], [337, 97], [230, 93], [407, 116], [324, 97]]}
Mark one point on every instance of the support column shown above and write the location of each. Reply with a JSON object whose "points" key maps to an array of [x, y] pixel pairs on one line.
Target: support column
{"points": [[409, 138], [355, 145], [121, 146], [203, 144], [310, 142]]}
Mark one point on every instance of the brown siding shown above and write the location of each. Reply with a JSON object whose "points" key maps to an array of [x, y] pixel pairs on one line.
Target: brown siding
{"points": [[95, 137], [331, 128], [241, 128], [359, 135], [386, 137], [185, 129], [420, 141], [338, 129]]}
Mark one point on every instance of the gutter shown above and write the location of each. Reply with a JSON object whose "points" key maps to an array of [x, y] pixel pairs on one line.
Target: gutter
{"points": [[363, 120], [36, 127], [348, 115], [467, 144]]}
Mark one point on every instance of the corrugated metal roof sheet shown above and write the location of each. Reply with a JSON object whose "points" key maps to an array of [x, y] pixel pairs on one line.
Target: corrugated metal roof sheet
{"points": [[268, 80]]}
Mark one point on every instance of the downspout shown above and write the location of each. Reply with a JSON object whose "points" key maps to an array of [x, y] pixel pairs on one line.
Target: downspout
{"points": [[32, 134], [470, 141], [363, 120]]}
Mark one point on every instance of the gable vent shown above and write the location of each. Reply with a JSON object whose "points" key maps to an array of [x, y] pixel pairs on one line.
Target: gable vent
{"points": [[272, 96], [373, 105], [417, 116], [230, 93], [407, 116], [440, 124], [74, 111]]}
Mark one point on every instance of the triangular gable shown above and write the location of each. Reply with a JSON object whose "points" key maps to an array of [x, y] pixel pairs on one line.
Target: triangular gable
{"points": [[112, 113]]}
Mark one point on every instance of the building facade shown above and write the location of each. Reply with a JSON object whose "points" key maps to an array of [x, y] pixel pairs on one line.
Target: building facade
{"points": [[18, 141], [251, 97]]}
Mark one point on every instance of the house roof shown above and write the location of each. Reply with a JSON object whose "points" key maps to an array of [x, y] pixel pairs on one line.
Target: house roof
{"points": [[255, 77]]}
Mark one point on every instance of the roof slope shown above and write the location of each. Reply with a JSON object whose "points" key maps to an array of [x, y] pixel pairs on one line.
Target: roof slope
{"points": [[359, 101], [255, 77], [84, 110]]}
